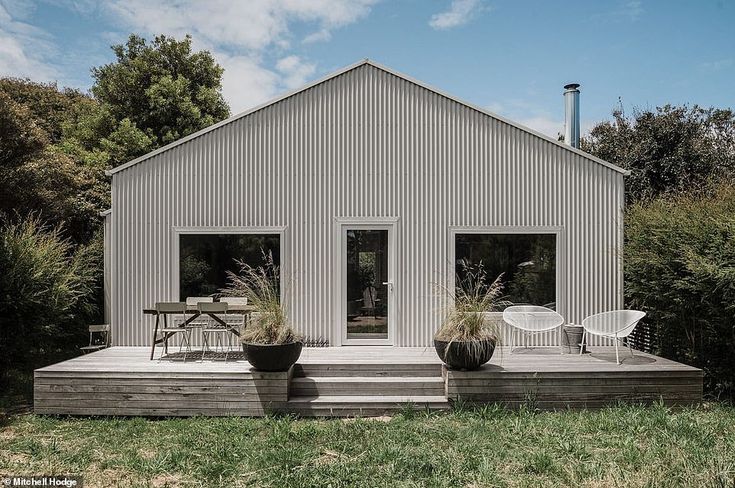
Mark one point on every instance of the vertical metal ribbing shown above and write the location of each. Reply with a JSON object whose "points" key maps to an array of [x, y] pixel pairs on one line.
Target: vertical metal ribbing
{"points": [[365, 143]]}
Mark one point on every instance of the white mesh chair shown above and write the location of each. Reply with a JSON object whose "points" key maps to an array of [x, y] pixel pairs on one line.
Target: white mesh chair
{"points": [[529, 320], [616, 325]]}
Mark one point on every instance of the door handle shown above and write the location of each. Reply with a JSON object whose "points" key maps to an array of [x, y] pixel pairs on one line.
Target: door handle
{"points": [[389, 284]]}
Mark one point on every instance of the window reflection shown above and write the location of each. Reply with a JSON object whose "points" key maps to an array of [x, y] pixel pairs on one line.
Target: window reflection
{"points": [[367, 270], [528, 262], [206, 258]]}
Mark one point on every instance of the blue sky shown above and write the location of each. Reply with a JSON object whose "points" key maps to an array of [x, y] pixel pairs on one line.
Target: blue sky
{"points": [[511, 57]]}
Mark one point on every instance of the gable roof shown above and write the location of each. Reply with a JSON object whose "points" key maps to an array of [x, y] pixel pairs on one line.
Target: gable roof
{"points": [[345, 70]]}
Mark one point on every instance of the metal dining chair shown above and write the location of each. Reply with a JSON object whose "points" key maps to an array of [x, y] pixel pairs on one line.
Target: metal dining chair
{"points": [[99, 338], [177, 312], [214, 327], [236, 317], [202, 320]]}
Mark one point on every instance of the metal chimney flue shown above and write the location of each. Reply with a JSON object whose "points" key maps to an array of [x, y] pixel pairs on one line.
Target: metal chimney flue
{"points": [[571, 114]]}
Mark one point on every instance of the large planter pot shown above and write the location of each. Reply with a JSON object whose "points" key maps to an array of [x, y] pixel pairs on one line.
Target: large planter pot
{"points": [[466, 355], [571, 338], [272, 357]]}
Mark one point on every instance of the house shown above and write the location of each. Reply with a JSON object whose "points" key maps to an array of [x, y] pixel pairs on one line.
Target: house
{"points": [[370, 190]]}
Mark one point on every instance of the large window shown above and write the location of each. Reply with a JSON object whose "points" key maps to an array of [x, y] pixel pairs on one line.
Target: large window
{"points": [[206, 258], [527, 261]]}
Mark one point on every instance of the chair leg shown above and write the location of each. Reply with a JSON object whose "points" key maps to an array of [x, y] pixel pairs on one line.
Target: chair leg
{"points": [[213, 346], [229, 345], [617, 356], [561, 342], [581, 345], [187, 334], [627, 343], [219, 345], [205, 337]]}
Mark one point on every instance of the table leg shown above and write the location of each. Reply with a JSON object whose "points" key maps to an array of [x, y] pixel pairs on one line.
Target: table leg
{"points": [[165, 334], [191, 319], [218, 320], [155, 333]]}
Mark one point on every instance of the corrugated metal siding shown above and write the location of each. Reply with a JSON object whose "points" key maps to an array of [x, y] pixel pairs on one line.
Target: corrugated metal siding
{"points": [[107, 256], [365, 143]]}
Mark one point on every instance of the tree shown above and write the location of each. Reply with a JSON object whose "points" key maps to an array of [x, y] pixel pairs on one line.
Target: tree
{"points": [[48, 105], [40, 178], [669, 150], [163, 89], [95, 138], [20, 135]]}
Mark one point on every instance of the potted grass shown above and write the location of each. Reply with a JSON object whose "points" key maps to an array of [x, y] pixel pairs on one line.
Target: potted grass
{"points": [[269, 342], [466, 338]]}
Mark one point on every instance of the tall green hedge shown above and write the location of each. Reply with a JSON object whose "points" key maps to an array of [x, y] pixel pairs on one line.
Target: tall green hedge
{"points": [[47, 294], [680, 269]]}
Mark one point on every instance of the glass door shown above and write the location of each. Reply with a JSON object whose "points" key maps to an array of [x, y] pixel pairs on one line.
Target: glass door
{"points": [[368, 286]]}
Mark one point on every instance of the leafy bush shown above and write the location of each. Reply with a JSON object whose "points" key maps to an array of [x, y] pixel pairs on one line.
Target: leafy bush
{"points": [[47, 294], [680, 269]]}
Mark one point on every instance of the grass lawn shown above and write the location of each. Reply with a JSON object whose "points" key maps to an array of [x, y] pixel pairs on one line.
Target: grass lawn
{"points": [[622, 446]]}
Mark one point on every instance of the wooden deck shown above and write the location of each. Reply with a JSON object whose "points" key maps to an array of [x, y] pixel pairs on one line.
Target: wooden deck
{"points": [[354, 380]]}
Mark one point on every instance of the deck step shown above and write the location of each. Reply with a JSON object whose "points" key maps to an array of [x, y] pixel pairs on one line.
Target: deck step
{"points": [[367, 369], [367, 386], [363, 406]]}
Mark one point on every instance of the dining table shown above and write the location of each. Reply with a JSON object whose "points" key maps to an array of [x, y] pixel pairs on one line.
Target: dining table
{"points": [[193, 312]]}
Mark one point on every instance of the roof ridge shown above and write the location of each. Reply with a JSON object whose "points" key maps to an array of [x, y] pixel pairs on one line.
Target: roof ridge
{"points": [[334, 74]]}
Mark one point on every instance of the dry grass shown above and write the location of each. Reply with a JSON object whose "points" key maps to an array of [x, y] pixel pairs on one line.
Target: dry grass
{"points": [[464, 317], [260, 285]]}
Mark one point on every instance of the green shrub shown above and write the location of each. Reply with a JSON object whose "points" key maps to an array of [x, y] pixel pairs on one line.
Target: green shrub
{"points": [[47, 294], [680, 269]]}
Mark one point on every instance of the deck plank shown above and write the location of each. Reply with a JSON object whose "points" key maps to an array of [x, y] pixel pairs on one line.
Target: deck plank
{"points": [[124, 381]]}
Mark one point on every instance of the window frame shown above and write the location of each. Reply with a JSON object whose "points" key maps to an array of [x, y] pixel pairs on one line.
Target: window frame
{"points": [[176, 250], [558, 231]]}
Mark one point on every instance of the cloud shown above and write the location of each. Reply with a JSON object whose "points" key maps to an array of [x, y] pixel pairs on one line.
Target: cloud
{"points": [[527, 113], [551, 126], [25, 50], [250, 39], [717, 65], [630, 11], [544, 124], [460, 12], [295, 71], [322, 35], [246, 82], [633, 10]]}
